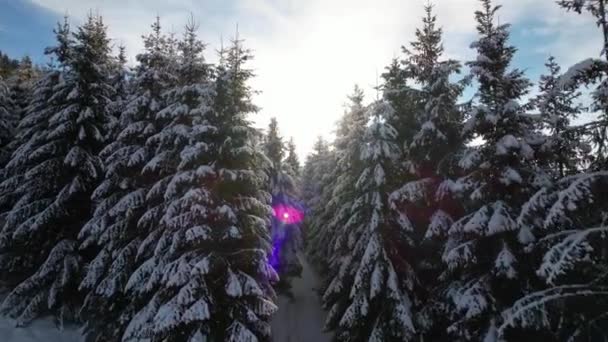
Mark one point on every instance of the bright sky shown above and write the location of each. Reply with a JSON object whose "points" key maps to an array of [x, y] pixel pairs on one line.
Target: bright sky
{"points": [[310, 53]]}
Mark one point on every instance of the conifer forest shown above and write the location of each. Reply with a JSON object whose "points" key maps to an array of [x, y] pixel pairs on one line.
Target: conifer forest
{"points": [[463, 201]]}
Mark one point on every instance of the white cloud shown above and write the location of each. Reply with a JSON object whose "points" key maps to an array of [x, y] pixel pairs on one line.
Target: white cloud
{"points": [[310, 53]]}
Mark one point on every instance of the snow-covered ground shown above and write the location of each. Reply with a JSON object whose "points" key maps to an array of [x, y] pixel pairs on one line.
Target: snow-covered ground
{"points": [[301, 320], [43, 330]]}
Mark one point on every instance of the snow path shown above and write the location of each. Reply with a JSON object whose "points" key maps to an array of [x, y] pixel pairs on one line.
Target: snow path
{"points": [[303, 319], [43, 330]]}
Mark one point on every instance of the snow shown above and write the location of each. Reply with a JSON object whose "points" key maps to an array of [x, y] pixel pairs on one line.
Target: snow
{"points": [[302, 319], [40, 330], [566, 80]]}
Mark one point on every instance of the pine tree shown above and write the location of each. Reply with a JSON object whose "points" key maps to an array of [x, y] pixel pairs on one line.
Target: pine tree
{"points": [[126, 208], [431, 155], [369, 295], [61, 169], [484, 248]]}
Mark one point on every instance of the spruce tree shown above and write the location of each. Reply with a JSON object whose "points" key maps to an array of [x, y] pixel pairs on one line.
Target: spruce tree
{"points": [[22, 83], [284, 230], [244, 295], [328, 240], [8, 121], [126, 211], [484, 248], [206, 274], [317, 165], [292, 161], [174, 304], [370, 294], [561, 153], [61, 169], [569, 214], [431, 155], [593, 71]]}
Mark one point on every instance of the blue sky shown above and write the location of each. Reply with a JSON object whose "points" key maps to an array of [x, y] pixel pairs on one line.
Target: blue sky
{"points": [[310, 53]]}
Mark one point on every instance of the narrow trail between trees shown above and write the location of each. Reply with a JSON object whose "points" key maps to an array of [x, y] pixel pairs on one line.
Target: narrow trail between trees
{"points": [[302, 319]]}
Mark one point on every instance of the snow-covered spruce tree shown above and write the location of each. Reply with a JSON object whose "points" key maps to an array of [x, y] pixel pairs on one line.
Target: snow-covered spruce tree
{"points": [[119, 79], [569, 219], [22, 83], [317, 165], [329, 238], [126, 212], [243, 293], [285, 235], [369, 296], [405, 100], [61, 169], [8, 121], [562, 152], [593, 71], [29, 131], [431, 157], [315, 189], [483, 252], [20, 87], [207, 274], [292, 162], [173, 220]]}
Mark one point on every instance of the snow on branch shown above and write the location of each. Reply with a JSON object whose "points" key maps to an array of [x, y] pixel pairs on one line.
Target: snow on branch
{"points": [[522, 313], [565, 254]]}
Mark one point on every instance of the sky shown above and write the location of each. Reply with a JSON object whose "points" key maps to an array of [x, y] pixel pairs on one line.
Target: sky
{"points": [[309, 54]]}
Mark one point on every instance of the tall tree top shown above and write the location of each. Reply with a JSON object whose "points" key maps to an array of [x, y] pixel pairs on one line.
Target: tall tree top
{"points": [[497, 85], [427, 48], [274, 144]]}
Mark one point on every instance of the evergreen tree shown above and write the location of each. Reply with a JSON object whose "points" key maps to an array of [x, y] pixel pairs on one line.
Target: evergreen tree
{"points": [[431, 157], [328, 240], [292, 161], [206, 274], [244, 305], [569, 215], [174, 302], [8, 121], [369, 294], [119, 79], [316, 166], [127, 209], [284, 229], [22, 83], [593, 71], [484, 248], [561, 153], [61, 169]]}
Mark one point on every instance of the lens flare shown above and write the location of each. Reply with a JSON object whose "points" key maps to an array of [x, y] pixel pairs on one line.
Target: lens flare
{"points": [[288, 214]]}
